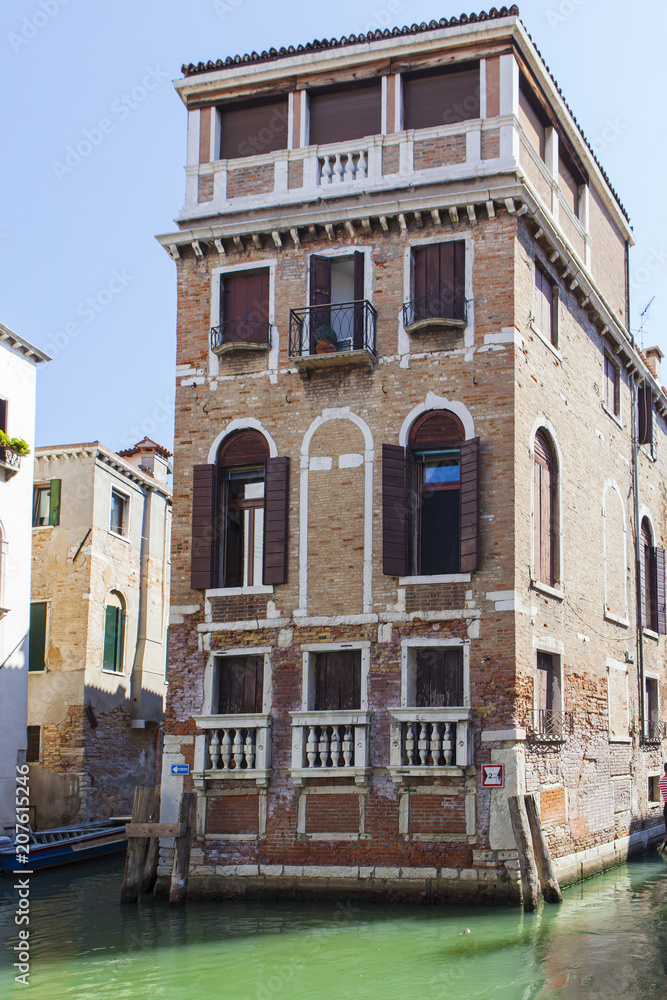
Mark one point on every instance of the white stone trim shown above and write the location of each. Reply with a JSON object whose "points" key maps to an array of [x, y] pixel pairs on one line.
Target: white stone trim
{"points": [[240, 424], [383, 111], [501, 735], [611, 484], [482, 89], [215, 365], [308, 652], [408, 646], [339, 413], [398, 102], [542, 423], [412, 581], [433, 402]]}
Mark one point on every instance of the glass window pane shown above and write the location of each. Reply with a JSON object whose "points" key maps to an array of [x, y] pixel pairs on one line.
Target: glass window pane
{"points": [[41, 505], [259, 545], [447, 471]]}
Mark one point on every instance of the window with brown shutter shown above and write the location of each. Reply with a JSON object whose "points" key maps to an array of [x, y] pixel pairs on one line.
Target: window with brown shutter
{"points": [[441, 97], [338, 680], [652, 580], [240, 685], [204, 527], [336, 300], [430, 502], [611, 385], [33, 750], [439, 678], [438, 283], [251, 128], [644, 415], [544, 511], [276, 500], [244, 311], [545, 298], [340, 114]]}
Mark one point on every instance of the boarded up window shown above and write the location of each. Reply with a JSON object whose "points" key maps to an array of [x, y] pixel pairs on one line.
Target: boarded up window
{"points": [[240, 685], [250, 129], [532, 121], [337, 115], [338, 680], [543, 305], [439, 678], [441, 97], [617, 681], [544, 487], [244, 306], [37, 636]]}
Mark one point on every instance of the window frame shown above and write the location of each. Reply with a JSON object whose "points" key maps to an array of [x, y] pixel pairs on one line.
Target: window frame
{"points": [[212, 678], [120, 644], [554, 587], [613, 407], [405, 346], [367, 84], [309, 652], [54, 489], [550, 337], [556, 692], [409, 649], [47, 624], [125, 526], [31, 758], [217, 277]]}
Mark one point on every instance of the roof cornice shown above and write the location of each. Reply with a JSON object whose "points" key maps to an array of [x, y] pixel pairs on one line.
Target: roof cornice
{"points": [[23, 346]]}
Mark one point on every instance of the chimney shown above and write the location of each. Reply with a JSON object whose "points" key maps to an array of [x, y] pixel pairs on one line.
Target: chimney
{"points": [[149, 457], [653, 357]]}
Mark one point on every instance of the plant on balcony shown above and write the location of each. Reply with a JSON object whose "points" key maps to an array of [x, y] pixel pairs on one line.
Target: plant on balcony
{"points": [[16, 444], [325, 340]]}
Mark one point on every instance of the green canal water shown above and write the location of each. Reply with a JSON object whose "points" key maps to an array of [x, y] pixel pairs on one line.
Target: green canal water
{"points": [[607, 940]]}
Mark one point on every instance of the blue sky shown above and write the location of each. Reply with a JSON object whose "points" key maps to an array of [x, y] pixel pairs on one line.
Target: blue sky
{"points": [[81, 274]]}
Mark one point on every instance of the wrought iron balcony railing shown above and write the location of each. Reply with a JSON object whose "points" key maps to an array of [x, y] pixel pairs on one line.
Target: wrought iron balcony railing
{"points": [[552, 725], [241, 333], [443, 307], [341, 327], [654, 731]]}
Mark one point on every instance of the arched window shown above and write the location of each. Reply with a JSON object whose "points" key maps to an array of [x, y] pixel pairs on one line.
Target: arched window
{"points": [[114, 632], [241, 462], [435, 449], [544, 511]]}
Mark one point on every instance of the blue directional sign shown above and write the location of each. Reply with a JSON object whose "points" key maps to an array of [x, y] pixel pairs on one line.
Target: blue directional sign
{"points": [[180, 768]]}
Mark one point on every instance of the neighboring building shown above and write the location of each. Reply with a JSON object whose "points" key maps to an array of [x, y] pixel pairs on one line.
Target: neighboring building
{"points": [[18, 376], [98, 627], [407, 479]]}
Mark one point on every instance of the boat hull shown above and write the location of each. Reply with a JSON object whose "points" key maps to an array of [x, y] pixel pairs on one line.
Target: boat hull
{"points": [[79, 848]]}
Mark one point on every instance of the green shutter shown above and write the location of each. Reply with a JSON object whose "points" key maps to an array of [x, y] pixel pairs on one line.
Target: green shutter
{"points": [[111, 637], [37, 637], [54, 508]]}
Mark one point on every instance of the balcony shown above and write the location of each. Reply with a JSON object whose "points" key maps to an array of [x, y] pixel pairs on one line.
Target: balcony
{"points": [[550, 726], [654, 733], [330, 336], [330, 745], [429, 742], [431, 312], [10, 462], [341, 168], [240, 335], [236, 747]]}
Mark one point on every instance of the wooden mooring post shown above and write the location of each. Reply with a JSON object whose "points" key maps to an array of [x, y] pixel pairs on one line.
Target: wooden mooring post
{"points": [[524, 845], [144, 827], [545, 867]]}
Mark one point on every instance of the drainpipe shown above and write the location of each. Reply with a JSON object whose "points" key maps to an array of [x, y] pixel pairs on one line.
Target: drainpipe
{"points": [[638, 562], [136, 682]]}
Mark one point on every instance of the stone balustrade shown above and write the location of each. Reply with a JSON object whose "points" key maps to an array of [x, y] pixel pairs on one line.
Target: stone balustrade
{"points": [[328, 743], [427, 740], [232, 746]]}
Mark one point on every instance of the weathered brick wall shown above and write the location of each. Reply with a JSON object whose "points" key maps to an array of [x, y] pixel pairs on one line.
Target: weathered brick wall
{"points": [[250, 180], [438, 151]]}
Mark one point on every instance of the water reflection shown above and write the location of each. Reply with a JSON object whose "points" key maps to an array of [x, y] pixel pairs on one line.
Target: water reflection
{"points": [[608, 939]]}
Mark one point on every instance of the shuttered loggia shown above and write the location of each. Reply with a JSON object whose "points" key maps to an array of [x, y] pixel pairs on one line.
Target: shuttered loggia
{"points": [[249, 129], [441, 97], [345, 113]]}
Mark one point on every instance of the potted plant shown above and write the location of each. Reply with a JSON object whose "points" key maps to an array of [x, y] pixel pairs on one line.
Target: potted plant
{"points": [[17, 445], [326, 340]]}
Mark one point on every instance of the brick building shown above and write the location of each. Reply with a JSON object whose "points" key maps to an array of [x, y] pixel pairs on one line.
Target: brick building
{"points": [[101, 526], [419, 465]]}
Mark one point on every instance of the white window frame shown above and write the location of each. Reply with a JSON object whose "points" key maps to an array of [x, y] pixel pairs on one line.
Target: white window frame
{"points": [[125, 533], [555, 649], [308, 653], [123, 630], [212, 674], [409, 649], [217, 273], [347, 251], [542, 424]]}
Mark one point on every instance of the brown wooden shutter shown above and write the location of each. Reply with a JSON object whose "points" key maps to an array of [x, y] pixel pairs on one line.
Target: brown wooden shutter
{"points": [[358, 341], [660, 591], [340, 115], [544, 683], [645, 415], [338, 681], [469, 524], [441, 98], [3, 415], [276, 500], [204, 518], [395, 511], [320, 280], [250, 129]]}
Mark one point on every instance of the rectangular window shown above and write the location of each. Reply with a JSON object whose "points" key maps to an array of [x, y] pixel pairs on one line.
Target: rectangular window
{"points": [[439, 678], [654, 793], [438, 521], [244, 309], [611, 385], [3, 415], [37, 636], [550, 720], [240, 685], [652, 709], [343, 113], [568, 182], [438, 283], [544, 301], [644, 415], [113, 639], [336, 294], [338, 680], [118, 518], [46, 504], [243, 537], [441, 97], [249, 128], [32, 753]]}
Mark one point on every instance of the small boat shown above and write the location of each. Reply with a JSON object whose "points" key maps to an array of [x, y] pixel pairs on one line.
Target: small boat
{"points": [[62, 845]]}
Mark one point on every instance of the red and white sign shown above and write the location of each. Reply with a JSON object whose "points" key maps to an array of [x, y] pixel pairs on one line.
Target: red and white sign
{"points": [[492, 776]]}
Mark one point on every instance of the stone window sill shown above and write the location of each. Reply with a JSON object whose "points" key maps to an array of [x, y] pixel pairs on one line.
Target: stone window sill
{"points": [[614, 416], [544, 588], [409, 581]]}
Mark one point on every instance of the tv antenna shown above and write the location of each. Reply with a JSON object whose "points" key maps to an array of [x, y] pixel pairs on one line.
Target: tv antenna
{"points": [[643, 316]]}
